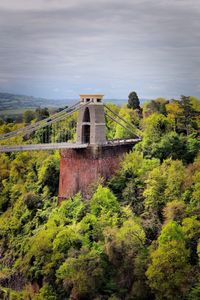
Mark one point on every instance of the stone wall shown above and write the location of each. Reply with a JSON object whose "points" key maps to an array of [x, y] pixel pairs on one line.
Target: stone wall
{"points": [[79, 168]]}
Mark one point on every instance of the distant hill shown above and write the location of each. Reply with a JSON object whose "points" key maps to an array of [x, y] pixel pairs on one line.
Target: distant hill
{"points": [[10, 101], [13, 101]]}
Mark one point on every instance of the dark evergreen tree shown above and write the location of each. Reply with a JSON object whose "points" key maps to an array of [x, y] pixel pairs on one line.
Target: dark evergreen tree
{"points": [[133, 101], [188, 115]]}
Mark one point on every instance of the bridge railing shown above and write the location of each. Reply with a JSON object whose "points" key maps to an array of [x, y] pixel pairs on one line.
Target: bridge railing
{"points": [[122, 141]]}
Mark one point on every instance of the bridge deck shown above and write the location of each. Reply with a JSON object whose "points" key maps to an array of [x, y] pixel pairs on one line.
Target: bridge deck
{"points": [[54, 146], [32, 147]]}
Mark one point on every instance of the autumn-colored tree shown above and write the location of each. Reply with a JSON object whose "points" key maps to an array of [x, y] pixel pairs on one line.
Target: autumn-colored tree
{"points": [[174, 111], [155, 106], [174, 211]]}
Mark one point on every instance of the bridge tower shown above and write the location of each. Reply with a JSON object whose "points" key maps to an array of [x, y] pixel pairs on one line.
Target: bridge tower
{"points": [[80, 168], [91, 121]]}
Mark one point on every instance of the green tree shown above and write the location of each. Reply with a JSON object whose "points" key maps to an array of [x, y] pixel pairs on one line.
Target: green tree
{"points": [[195, 292], [191, 229], [103, 201], [67, 238], [48, 174], [124, 247], [188, 115], [122, 132], [133, 101], [155, 127], [158, 105], [83, 275], [41, 113], [32, 200], [28, 116], [169, 271], [164, 184], [110, 124], [128, 184]]}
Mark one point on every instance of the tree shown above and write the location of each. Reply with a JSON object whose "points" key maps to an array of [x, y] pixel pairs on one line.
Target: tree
{"points": [[48, 174], [174, 211], [124, 247], [195, 292], [169, 271], [196, 106], [133, 101], [28, 116], [82, 275], [41, 113], [155, 127], [158, 105], [164, 184], [103, 201], [128, 183], [191, 229], [110, 124], [174, 112], [188, 115], [122, 132], [32, 201], [67, 238]]}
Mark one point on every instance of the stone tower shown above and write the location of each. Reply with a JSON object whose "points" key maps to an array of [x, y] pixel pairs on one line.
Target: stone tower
{"points": [[91, 127], [100, 159]]}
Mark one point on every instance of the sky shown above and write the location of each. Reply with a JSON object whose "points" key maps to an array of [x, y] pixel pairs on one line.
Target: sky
{"points": [[62, 48]]}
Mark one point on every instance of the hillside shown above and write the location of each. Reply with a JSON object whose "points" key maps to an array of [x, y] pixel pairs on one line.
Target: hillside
{"points": [[136, 236], [12, 101]]}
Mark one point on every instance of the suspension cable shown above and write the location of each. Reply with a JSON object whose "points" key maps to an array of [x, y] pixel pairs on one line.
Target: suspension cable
{"points": [[50, 121], [121, 124], [122, 119], [30, 130], [68, 109]]}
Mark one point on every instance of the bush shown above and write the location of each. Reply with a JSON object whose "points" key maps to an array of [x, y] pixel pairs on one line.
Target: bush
{"points": [[32, 201]]}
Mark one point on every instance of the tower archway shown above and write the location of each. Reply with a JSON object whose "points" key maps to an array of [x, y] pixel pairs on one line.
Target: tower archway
{"points": [[86, 116], [86, 134], [86, 126]]}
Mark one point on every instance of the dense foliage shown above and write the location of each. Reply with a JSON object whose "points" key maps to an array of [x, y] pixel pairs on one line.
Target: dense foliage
{"points": [[138, 237]]}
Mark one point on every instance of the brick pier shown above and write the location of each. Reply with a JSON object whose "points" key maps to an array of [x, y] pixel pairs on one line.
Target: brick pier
{"points": [[79, 168]]}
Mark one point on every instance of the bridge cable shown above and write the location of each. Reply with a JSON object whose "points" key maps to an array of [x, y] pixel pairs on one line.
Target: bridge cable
{"points": [[68, 109], [32, 129], [131, 125], [39, 122], [57, 119], [121, 124]]}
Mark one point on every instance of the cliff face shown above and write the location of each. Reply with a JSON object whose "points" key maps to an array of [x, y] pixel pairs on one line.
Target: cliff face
{"points": [[80, 168]]}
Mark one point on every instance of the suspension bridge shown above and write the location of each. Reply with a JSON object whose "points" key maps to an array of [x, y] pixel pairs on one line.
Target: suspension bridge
{"points": [[58, 131]]}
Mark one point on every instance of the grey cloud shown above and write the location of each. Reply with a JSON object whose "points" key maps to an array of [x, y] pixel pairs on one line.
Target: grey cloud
{"points": [[115, 46]]}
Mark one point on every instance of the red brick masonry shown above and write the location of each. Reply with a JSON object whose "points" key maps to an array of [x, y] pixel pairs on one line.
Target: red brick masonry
{"points": [[79, 168]]}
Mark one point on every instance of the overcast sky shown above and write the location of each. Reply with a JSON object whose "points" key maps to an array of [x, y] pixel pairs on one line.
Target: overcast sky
{"points": [[61, 48]]}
